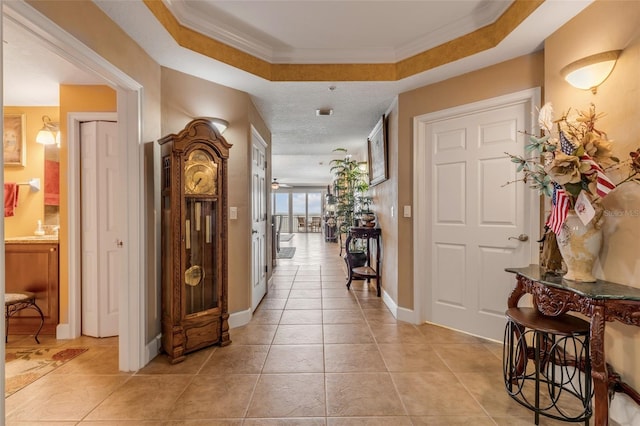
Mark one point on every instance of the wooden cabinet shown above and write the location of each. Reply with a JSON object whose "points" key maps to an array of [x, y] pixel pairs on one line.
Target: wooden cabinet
{"points": [[194, 239], [33, 266]]}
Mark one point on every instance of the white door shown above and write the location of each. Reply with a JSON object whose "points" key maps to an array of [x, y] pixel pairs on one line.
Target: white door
{"points": [[475, 216], [258, 222], [102, 219]]}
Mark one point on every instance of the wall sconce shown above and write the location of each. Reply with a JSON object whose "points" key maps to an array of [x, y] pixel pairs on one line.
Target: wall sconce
{"points": [[592, 71], [363, 166], [50, 133], [275, 184], [220, 124]]}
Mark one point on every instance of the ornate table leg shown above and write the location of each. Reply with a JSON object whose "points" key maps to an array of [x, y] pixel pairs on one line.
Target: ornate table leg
{"points": [[599, 367]]}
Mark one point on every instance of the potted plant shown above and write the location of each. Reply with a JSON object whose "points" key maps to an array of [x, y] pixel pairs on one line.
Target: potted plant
{"points": [[349, 184], [367, 218]]}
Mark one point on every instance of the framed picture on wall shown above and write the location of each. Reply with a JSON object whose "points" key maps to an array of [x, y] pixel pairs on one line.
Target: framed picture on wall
{"points": [[14, 139], [377, 144]]}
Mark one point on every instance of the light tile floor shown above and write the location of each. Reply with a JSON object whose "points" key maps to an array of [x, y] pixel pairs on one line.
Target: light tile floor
{"points": [[315, 353]]}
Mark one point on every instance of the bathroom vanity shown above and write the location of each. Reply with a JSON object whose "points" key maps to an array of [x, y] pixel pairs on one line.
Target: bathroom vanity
{"points": [[32, 265]]}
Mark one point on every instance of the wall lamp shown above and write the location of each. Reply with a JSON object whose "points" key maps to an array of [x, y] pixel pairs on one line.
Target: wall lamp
{"points": [[592, 71], [50, 132], [220, 124], [275, 184]]}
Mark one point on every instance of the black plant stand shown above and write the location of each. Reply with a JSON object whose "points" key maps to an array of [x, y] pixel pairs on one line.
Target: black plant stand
{"points": [[363, 272]]}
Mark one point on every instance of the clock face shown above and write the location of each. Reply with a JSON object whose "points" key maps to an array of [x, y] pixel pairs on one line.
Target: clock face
{"points": [[200, 174], [200, 179]]}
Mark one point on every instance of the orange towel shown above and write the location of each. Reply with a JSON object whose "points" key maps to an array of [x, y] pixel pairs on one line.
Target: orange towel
{"points": [[51, 183], [10, 198]]}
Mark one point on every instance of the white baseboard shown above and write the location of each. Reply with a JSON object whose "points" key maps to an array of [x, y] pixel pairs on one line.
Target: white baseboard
{"points": [[391, 304], [63, 331], [407, 315], [401, 314], [152, 349], [238, 319]]}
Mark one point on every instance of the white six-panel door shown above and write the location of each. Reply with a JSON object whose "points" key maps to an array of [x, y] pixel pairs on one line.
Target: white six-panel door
{"points": [[474, 216], [258, 222], [102, 220]]}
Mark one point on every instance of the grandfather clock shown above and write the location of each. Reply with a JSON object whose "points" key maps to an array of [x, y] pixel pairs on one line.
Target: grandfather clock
{"points": [[194, 239]]}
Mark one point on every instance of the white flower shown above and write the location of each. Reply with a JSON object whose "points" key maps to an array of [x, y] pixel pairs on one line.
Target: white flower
{"points": [[545, 117]]}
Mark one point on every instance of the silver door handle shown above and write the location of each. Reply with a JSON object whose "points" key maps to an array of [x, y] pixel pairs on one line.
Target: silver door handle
{"points": [[521, 237]]}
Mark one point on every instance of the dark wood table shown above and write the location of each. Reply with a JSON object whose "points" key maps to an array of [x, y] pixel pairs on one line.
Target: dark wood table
{"points": [[601, 301], [366, 272]]}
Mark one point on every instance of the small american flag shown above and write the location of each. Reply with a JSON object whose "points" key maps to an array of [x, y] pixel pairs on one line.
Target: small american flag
{"points": [[559, 210], [603, 183], [566, 146]]}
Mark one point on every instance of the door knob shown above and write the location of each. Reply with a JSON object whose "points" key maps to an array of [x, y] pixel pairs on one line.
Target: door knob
{"points": [[253, 231], [119, 243], [521, 237]]}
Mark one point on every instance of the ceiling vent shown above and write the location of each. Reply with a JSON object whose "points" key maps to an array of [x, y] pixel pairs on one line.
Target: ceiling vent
{"points": [[324, 111]]}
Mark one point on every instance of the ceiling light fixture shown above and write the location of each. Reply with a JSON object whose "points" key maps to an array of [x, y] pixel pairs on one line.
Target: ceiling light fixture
{"points": [[324, 111], [590, 72], [50, 132]]}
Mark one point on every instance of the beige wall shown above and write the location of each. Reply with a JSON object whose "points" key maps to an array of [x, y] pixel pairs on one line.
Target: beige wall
{"points": [[608, 25], [30, 204], [85, 21], [385, 197], [508, 77], [185, 97]]}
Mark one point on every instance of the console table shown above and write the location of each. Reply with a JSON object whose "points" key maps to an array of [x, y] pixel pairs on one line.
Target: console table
{"points": [[356, 271], [601, 301]]}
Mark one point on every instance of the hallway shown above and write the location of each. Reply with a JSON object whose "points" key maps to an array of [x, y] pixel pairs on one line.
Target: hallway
{"points": [[315, 353]]}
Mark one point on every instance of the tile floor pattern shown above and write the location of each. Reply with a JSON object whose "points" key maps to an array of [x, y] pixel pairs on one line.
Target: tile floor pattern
{"points": [[315, 353]]}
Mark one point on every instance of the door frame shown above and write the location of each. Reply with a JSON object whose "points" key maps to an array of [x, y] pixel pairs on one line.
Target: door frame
{"points": [[423, 202], [133, 353]]}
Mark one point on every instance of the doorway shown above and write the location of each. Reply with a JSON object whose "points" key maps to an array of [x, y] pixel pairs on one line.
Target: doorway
{"points": [[258, 220], [466, 218], [133, 353], [102, 219], [301, 209]]}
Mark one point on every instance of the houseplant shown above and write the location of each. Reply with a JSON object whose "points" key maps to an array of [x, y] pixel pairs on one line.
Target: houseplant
{"points": [[350, 185], [570, 165]]}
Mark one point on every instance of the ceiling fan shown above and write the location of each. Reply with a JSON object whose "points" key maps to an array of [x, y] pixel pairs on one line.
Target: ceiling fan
{"points": [[275, 184]]}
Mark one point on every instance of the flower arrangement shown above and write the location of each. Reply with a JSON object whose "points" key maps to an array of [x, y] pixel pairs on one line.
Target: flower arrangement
{"points": [[572, 165]]}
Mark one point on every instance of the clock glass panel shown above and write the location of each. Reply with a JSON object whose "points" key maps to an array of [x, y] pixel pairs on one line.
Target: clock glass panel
{"points": [[201, 252]]}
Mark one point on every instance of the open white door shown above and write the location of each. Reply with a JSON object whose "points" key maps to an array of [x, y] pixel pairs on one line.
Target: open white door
{"points": [[102, 219], [476, 222], [258, 221]]}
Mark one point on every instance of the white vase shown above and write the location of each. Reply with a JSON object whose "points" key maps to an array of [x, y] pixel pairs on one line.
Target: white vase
{"points": [[579, 246]]}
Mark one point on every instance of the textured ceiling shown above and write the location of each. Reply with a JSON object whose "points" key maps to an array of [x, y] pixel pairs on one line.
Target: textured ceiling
{"points": [[348, 33]]}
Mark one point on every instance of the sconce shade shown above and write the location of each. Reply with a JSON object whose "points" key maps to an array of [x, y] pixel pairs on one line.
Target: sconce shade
{"points": [[220, 124], [275, 184], [590, 72], [49, 134]]}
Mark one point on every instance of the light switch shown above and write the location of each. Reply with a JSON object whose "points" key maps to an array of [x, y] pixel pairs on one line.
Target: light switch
{"points": [[406, 212], [233, 213]]}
